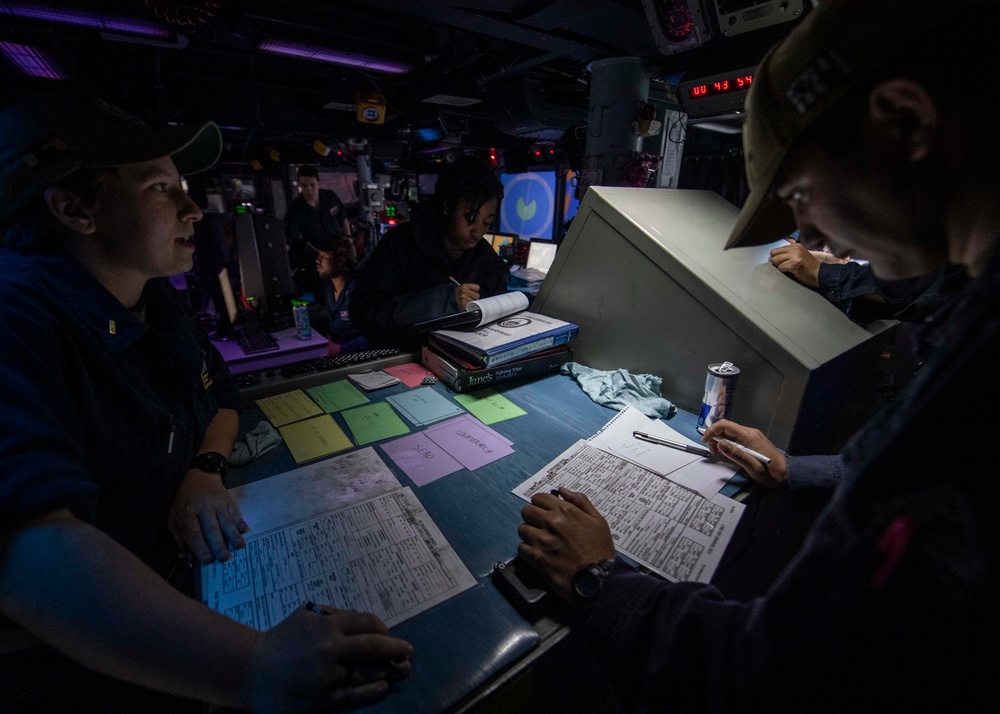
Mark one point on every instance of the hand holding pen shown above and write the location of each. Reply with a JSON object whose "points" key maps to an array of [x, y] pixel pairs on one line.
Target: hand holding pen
{"points": [[465, 292], [748, 448], [321, 658]]}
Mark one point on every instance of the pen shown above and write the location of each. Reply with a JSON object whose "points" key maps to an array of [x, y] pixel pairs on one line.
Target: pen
{"points": [[760, 457], [453, 280], [316, 608], [699, 450]]}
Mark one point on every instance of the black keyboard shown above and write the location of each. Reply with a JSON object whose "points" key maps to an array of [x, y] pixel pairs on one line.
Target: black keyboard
{"points": [[311, 373], [254, 339], [322, 364]]}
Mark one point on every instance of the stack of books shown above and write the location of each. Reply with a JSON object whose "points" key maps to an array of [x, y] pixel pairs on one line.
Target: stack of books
{"points": [[462, 376], [516, 346]]}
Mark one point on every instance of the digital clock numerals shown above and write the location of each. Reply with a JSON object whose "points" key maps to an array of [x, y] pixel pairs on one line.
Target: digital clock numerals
{"points": [[720, 87]]}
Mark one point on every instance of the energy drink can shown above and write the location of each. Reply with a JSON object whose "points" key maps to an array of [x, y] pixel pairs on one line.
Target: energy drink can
{"points": [[720, 385], [303, 328]]}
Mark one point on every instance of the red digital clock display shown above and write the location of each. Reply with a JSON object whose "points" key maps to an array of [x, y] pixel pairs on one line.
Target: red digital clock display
{"points": [[722, 86]]}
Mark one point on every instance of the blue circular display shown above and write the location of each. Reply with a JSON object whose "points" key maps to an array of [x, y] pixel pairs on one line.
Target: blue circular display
{"points": [[528, 206]]}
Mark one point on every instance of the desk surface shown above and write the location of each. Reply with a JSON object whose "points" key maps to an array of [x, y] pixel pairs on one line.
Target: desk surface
{"points": [[465, 642]]}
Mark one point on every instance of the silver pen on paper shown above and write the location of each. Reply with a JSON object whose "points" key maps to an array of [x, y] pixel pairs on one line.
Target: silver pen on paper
{"points": [[698, 450], [750, 452]]}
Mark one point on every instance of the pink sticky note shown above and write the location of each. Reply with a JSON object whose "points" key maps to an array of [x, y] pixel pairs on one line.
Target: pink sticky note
{"points": [[411, 374]]}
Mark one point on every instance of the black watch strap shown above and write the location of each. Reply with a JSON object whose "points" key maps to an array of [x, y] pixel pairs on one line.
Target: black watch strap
{"points": [[211, 462]]}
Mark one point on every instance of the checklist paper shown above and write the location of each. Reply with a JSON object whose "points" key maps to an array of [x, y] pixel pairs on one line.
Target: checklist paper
{"points": [[385, 556], [671, 529]]}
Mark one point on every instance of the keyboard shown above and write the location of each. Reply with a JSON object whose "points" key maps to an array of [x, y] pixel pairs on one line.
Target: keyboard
{"points": [[314, 367], [323, 364], [254, 339]]}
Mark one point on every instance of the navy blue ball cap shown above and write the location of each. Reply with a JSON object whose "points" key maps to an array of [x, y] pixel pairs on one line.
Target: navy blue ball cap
{"points": [[46, 137]]}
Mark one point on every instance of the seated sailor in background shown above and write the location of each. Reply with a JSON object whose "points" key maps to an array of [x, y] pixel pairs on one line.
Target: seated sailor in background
{"points": [[314, 215], [336, 261], [871, 139], [436, 263], [118, 417]]}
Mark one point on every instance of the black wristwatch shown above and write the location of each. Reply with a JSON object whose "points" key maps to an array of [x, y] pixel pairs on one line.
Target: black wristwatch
{"points": [[211, 462], [588, 581]]}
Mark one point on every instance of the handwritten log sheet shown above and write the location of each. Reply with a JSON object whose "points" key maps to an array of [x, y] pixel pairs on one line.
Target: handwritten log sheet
{"points": [[671, 529], [384, 555]]}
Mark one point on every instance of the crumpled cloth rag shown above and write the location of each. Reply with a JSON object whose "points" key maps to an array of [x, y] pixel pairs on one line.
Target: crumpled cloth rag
{"points": [[621, 388], [254, 444]]}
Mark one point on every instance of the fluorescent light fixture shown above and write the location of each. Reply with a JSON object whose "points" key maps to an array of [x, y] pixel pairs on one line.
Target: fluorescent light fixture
{"points": [[450, 100], [324, 54], [32, 62], [84, 18], [430, 133]]}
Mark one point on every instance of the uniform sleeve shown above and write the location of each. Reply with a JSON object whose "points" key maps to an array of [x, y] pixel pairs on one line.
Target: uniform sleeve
{"points": [[378, 307], [843, 281], [686, 647], [485, 268], [41, 449], [224, 387], [846, 285], [812, 479]]}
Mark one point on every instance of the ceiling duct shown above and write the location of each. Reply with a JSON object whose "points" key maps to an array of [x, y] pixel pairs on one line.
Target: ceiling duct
{"points": [[519, 108]]}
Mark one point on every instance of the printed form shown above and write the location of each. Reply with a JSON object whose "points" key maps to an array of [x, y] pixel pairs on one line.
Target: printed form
{"points": [[672, 530], [384, 555]]}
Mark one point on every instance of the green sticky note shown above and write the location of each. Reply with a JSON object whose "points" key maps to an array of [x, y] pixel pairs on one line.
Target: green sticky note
{"points": [[335, 396], [489, 407], [313, 438], [374, 422]]}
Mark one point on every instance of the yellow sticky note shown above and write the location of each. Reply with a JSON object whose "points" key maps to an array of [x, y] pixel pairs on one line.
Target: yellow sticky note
{"points": [[291, 406], [314, 438]]}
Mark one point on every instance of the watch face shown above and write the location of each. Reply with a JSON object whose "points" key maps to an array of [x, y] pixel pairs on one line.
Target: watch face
{"points": [[587, 583], [210, 462]]}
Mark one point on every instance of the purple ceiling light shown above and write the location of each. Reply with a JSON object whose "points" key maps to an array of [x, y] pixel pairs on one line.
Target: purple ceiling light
{"points": [[84, 18], [323, 54], [33, 62]]}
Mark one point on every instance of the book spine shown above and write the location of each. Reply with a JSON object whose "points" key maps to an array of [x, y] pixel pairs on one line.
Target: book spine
{"points": [[463, 380], [440, 367], [453, 355], [528, 348]]}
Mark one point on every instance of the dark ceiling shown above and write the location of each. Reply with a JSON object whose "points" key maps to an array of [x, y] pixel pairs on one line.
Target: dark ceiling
{"points": [[512, 71]]}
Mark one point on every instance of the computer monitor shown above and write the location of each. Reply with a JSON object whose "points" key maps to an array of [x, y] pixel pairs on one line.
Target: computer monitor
{"points": [[499, 240], [529, 204], [541, 253], [225, 307], [644, 274]]}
